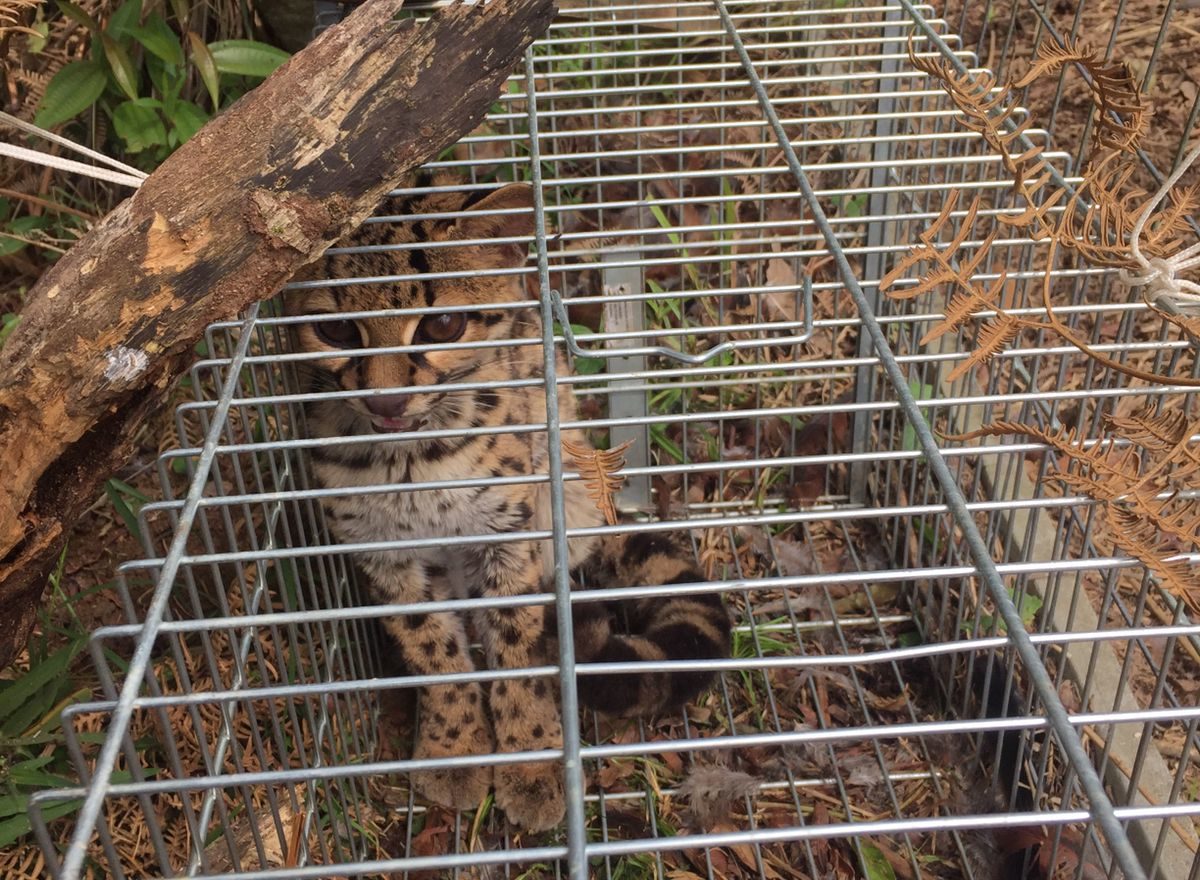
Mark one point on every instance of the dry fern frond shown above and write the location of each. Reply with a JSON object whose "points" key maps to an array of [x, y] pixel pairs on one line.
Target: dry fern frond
{"points": [[1170, 515], [598, 468], [1068, 443], [1150, 428], [1141, 472], [1169, 226], [1082, 484], [1114, 91], [1138, 491], [987, 110], [963, 305], [1189, 324], [940, 256], [12, 13], [994, 336], [1138, 537], [1101, 234], [1035, 217]]}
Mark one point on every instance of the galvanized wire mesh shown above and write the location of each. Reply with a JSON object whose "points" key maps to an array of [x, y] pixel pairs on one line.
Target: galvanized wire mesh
{"points": [[724, 184]]}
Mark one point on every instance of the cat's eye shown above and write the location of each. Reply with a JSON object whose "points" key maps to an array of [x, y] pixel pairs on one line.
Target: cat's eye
{"points": [[446, 327], [339, 334]]}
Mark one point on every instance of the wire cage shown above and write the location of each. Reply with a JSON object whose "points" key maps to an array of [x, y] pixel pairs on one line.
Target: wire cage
{"points": [[937, 669]]}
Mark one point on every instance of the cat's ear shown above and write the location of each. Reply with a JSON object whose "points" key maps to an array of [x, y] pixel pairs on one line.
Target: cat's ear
{"points": [[503, 213]]}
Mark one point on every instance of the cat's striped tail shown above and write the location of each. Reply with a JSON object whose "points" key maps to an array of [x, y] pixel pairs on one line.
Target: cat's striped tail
{"points": [[681, 627]]}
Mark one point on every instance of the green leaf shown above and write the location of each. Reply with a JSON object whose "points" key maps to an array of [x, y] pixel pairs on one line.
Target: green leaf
{"points": [[132, 492], [127, 513], [73, 89], [30, 773], [31, 693], [52, 720], [125, 20], [206, 65], [38, 712], [167, 79], [33, 763], [121, 66], [875, 864], [77, 15], [12, 804], [19, 230], [26, 225], [187, 119], [921, 391], [158, 38], [291, 590], [658, 437], [181, 10], [246, 57], [8, 323], [1028, 607], [138, 124], [12, 830], [586, 366], [37, 43]]}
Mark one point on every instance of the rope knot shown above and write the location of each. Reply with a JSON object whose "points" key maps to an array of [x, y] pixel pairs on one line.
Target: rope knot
{"points": [[1159, 276]]}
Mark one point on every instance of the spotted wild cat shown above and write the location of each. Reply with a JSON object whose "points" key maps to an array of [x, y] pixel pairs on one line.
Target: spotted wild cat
{"points": [[519, 713]]}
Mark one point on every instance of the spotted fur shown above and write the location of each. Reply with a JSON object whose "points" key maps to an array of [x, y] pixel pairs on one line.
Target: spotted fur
{"points": [[519, 713]]}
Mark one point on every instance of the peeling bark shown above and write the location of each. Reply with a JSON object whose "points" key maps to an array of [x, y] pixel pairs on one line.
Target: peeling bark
{"points": [[258, 193]]}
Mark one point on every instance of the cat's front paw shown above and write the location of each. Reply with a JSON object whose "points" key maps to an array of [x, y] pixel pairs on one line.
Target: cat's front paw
{"points": [[531, 795], [527, 720], [461, 788], [453, 725]]}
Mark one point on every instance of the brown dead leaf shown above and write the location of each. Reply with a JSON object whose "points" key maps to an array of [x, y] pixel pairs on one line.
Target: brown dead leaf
{"points": [[611, 773], [434, 838], [743, 852], [782, 305], [793, 559], [673, 761]]}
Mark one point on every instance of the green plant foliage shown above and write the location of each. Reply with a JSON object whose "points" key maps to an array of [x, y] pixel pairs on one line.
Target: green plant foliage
{"points": [[73, 89], [127, 501], [206, 66], [875, 864], [246, 57], [16, 231], [30, 716], [1028, 606], [8, 323], [139, 124], [140, 77], [157, 37], [921, 391]]}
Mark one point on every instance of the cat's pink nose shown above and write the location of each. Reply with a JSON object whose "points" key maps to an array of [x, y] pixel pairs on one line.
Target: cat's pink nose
{"points": [[388, 406]]}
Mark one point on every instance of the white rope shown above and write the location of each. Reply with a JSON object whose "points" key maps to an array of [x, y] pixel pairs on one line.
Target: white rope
{"points": [[27, 155], [126, 175], [30, 128], [1160, 275]]}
